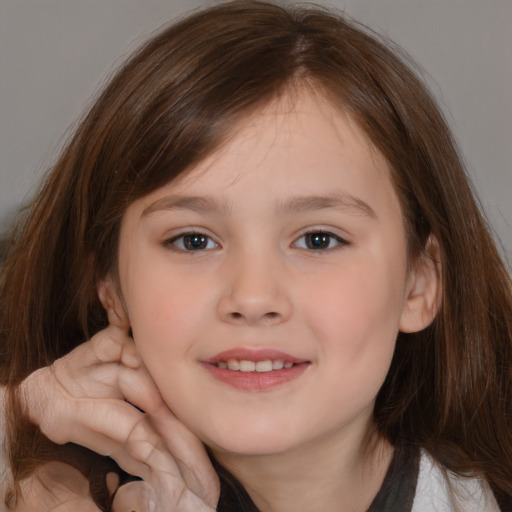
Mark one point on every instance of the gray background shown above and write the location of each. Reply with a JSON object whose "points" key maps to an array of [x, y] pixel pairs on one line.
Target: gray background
{"points": [[54, 55]]}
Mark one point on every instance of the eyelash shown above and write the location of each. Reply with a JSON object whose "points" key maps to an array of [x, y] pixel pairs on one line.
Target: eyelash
{"points": [[202, 238], [321, 236], [183, 241]]}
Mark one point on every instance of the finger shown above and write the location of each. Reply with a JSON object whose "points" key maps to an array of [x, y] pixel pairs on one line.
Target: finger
{"points": [[135, 497], [101, 425], [109, 381], [138, 449], [101, 410], [138, 388], [122, 432], [74, 375], [144, 445], [144, 497], [112, 380], [110, 346], [189, 453], [107, 346], [106, 379]]}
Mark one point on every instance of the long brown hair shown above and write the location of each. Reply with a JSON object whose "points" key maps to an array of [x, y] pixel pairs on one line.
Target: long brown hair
{"points": [[449, 389]]}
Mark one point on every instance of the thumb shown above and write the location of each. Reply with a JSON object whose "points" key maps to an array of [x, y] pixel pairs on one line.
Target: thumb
{"points": [[135, 497]]}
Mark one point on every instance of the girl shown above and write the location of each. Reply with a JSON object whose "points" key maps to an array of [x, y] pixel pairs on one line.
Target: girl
{"points": [[269, 202]]}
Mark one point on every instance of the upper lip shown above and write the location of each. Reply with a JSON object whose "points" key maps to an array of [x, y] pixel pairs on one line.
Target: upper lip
{"points": [[246, 354]]}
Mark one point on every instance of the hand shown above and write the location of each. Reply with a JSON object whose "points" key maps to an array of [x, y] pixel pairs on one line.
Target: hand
{"points": [[85, 398], [55, 487]]}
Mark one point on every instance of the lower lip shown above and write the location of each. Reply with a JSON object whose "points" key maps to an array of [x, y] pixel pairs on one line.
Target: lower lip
{"points": [[256, 381]]}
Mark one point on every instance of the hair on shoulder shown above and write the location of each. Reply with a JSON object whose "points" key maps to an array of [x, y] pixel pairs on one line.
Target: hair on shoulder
{"points": [[449, 389]]}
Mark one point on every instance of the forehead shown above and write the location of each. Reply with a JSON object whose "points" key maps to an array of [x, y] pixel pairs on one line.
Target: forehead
{"points": [[299, 125], [299, 144]]}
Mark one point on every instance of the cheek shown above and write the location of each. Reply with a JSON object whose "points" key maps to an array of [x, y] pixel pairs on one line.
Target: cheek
{"points": [[165, 312], [357, 313], [354, 319], [166, 326]]}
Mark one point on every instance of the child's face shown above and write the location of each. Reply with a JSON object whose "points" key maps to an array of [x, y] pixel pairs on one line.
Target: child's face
{"points": [[297, 254]]}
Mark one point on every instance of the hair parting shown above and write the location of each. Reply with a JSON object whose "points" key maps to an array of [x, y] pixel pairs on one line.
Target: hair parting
{"points": [[179, 98]]}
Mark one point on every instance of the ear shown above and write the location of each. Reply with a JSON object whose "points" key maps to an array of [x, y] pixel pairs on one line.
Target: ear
{"points": [[110, 299], [424, 290]]}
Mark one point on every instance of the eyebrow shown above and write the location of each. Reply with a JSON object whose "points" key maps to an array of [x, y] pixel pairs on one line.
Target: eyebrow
{"points": [[344, 202], [208, 204], [199, 204]]}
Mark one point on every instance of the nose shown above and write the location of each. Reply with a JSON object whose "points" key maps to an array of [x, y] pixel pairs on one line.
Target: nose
{"points": [[255, 291]]}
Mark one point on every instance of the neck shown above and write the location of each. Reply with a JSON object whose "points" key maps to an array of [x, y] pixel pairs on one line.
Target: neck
{"points": [[335, 473]]}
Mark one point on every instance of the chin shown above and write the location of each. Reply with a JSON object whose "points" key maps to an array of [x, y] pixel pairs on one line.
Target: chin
{"points": [[251, 441]]}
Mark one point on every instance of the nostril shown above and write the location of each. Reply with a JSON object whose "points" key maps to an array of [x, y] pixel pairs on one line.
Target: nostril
{"points": [[271, 315]]}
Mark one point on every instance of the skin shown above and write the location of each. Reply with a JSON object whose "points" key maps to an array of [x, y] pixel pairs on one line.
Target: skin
{"points": [[256, 285], [85, 398]]}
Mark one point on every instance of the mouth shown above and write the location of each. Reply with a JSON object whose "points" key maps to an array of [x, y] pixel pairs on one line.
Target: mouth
{"points": [[250, 370], [263, 366]]}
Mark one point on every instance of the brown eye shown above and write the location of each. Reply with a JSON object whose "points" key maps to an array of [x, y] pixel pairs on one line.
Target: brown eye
{"points": [[319, 240], [192, 242], [195, 242]]}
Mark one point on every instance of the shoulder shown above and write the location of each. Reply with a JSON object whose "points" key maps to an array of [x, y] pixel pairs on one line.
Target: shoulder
{"points": [[438, 490]]}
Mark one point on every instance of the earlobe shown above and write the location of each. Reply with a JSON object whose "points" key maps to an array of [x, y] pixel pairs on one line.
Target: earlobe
{"points": [[111, 301], [425, 290]]}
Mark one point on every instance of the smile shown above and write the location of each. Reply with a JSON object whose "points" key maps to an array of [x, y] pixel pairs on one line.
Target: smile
{"points": [[267, 365], [255, 370]]}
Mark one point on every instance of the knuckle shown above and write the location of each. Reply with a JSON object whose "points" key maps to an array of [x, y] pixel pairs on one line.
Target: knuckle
{"points": [[106, 348]]}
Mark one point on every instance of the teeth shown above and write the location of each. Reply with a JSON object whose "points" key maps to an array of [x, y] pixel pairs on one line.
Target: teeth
{"points": [[264, 366], [247, 366], [234, 364], [242, 365]]}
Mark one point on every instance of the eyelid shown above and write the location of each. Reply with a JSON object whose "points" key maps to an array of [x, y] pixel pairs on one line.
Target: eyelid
{"points": [[341, 241], [170, 243]]}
